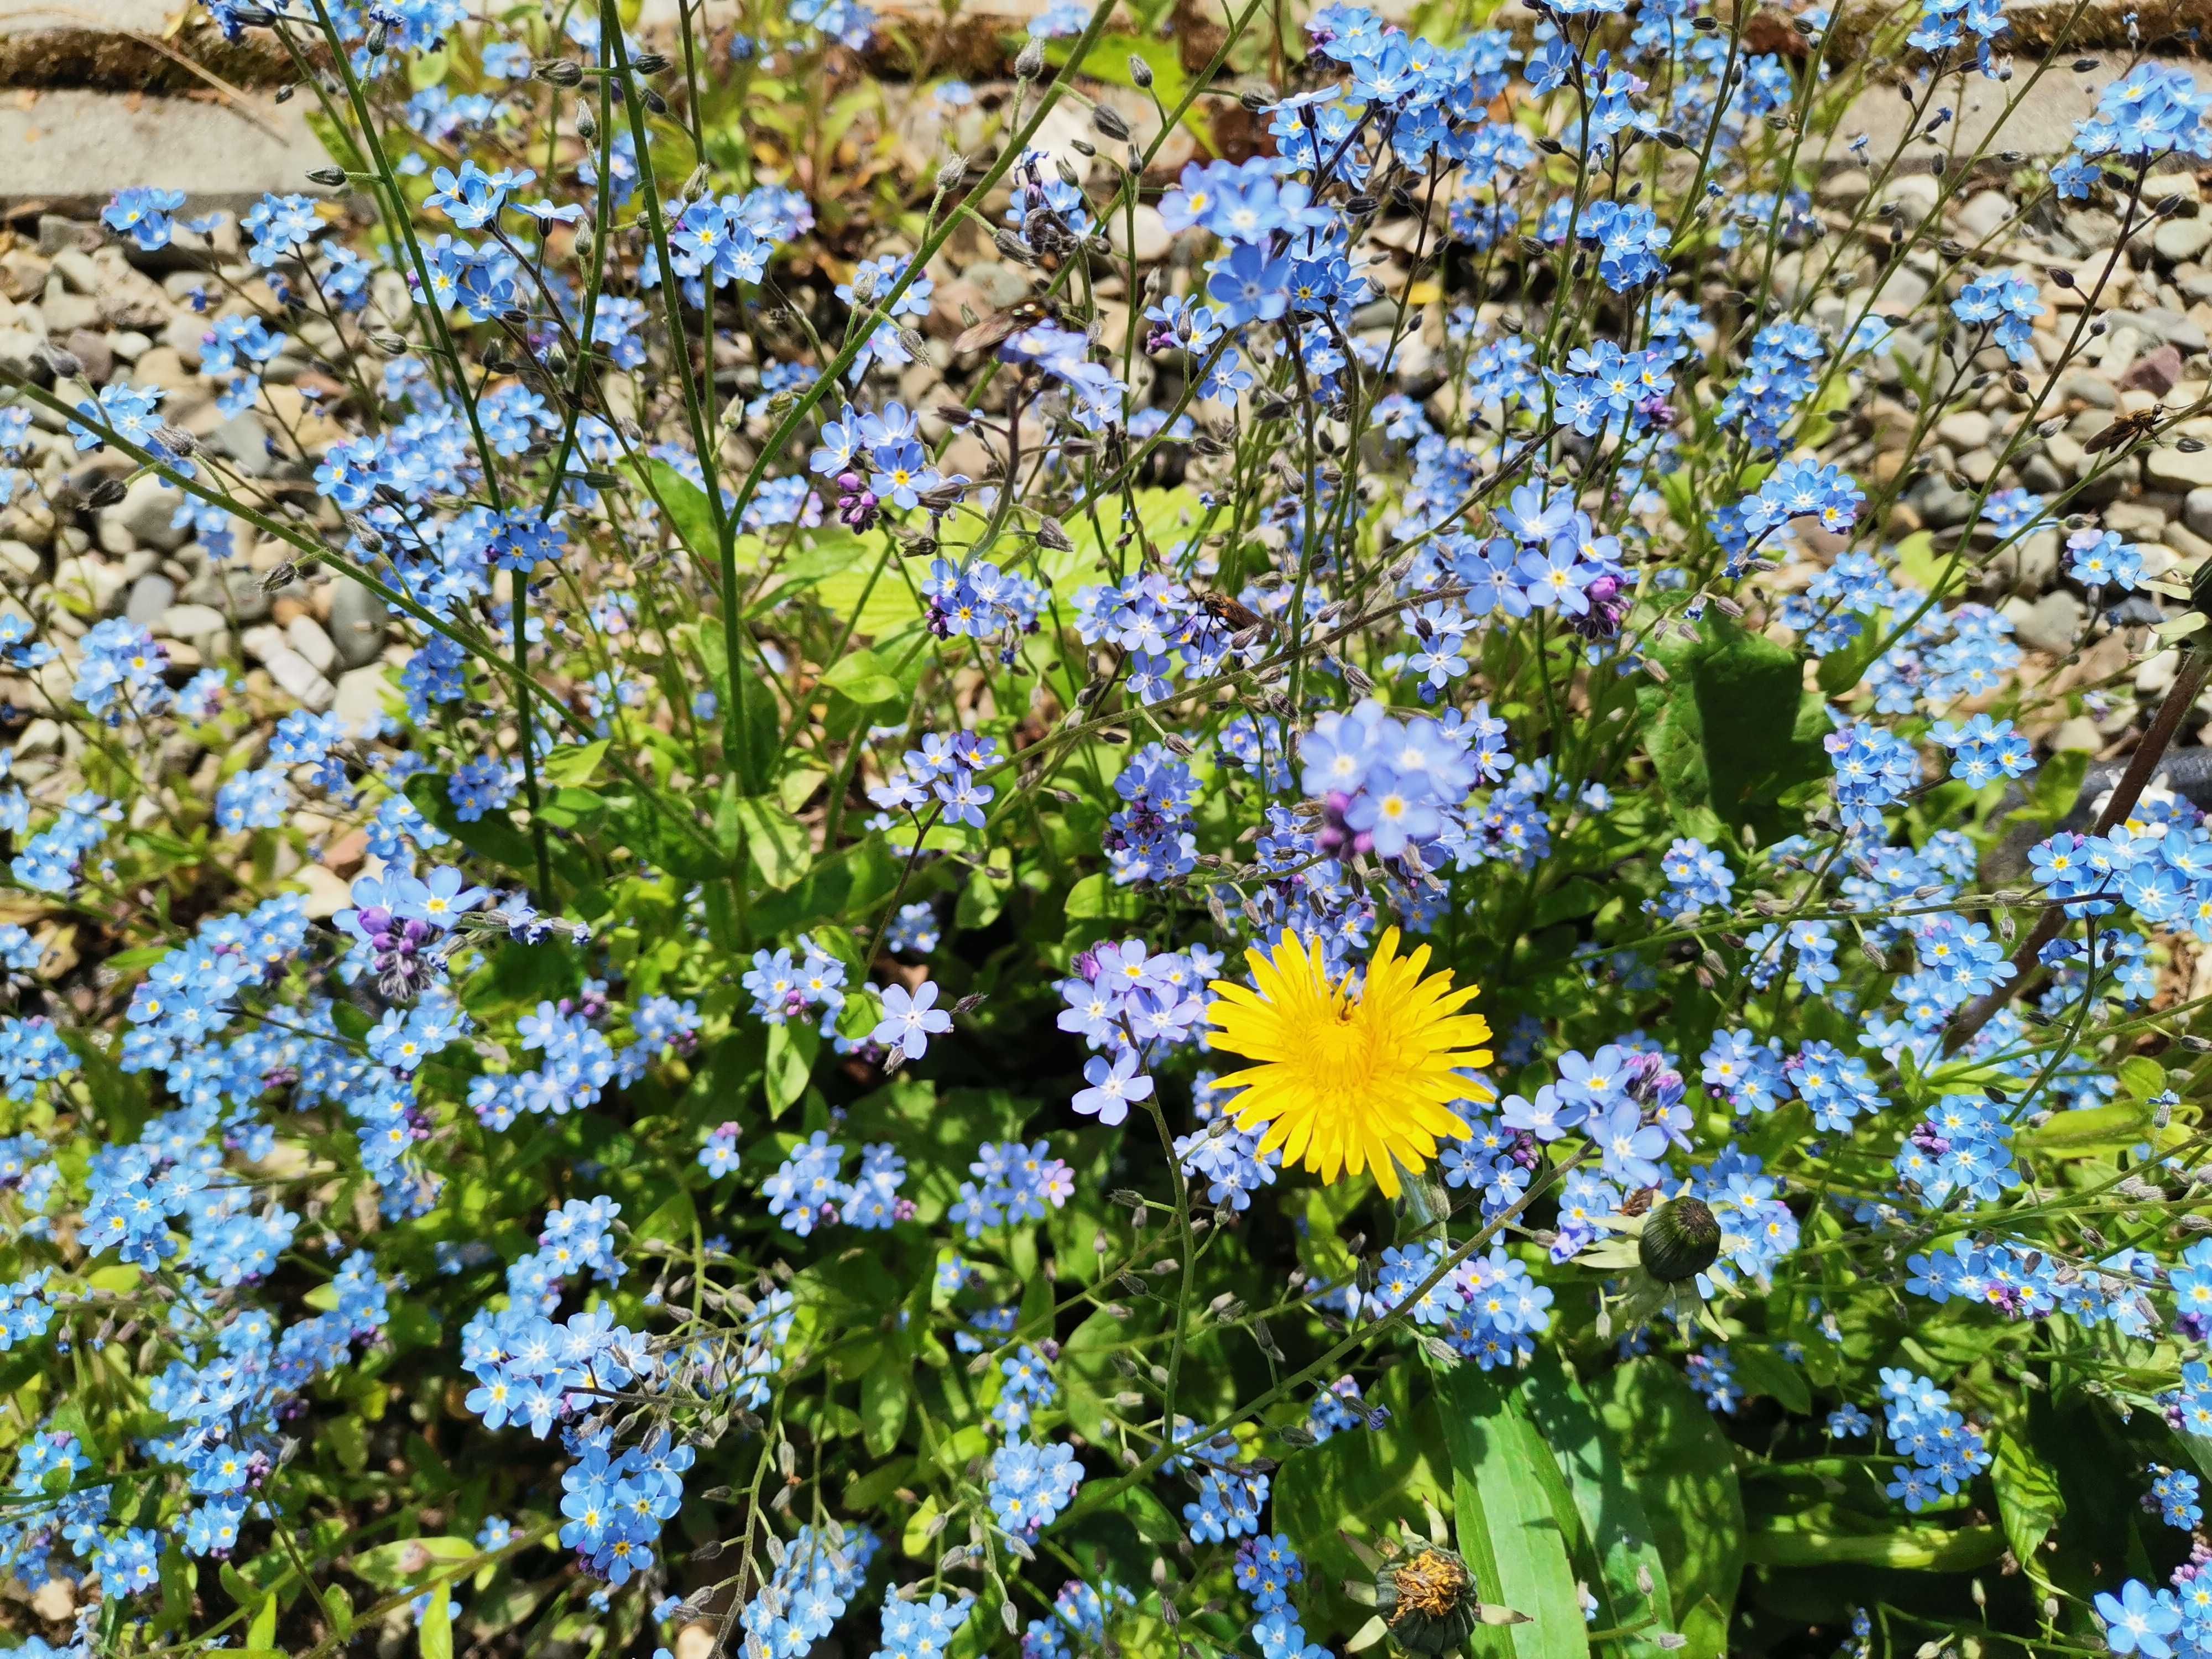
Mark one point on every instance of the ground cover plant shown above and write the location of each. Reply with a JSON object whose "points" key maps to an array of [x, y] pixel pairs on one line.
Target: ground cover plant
{"points": [[1260, 834]]}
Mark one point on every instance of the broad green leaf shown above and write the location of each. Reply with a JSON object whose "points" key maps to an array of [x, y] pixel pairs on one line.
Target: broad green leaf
{"points": [[2087, 1130], [1509, 1530], [886, 1393], [1614, 1532], [791, 1051], [2141, 1078], [1762, 1370], [436, 1634], [777, 842], [862, 677], [573, 763], [1733, 727], [261, 1629], [2029, 1502], [1683, 1469], [410, 1561], [689, 511]]}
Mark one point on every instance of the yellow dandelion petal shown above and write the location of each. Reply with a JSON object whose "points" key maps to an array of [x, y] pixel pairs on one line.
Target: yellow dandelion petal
{"points": [[1347, 1083]]}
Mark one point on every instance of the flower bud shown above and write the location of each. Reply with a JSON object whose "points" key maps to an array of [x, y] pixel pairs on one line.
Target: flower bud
{"points": [[1681, 1241]]}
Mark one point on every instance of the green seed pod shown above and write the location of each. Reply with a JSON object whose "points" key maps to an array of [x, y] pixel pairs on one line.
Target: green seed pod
{"points": [[1681, 1240], [1428, 1600]]}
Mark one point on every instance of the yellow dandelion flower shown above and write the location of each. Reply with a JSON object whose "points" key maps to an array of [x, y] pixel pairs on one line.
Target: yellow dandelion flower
{"points": [[1347, 1082]]}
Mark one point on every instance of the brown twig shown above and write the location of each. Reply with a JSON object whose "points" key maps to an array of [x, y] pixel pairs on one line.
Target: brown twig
{"points": [[2196, 663]]}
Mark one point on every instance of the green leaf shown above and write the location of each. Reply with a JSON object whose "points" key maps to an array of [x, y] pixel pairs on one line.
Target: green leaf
{"points": [[777, 842], [862, 677], [1093, 898], [1734, 729], [436, 1634], [410, 1561], [1762, 1370], [1782, 1542], [886, 1392], [572, 763], [2087, 1130], [689, 511], [1614, 1532], [2141, 1078], [1508, 1529], [1683, 1469], [2029, 1502], [261, 1629], [791, 1051], [2056, 786]]}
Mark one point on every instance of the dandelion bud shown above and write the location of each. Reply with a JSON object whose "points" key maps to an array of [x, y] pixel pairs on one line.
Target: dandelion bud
{"points": [[1681, 1241], [655, 102], [379, 33], [1031, 63], [283, 576], [66, 365], [950, 176], [649, 62], [1013, 247], [560, 72], [106, 493], [1140, 73], [1109, 121], [333, 177], [1049, 533], [1257, 100]]}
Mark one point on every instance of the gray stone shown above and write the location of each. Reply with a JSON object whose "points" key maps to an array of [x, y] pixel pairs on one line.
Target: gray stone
{"points": [[2079, 733], [78, 273], [75, 147], [144, 515], [2196, 511], [2163, 324], [150, 595], [1153, 236], [1967, 429], [234, 593], [20, 561], [1846, 187], [246, 440], [361, 696], [2029, 566], [92, 578], [359, 623], [2177, 469], [301, 678], [305, 635], [192, 622], [2178, 239], [2052, 623], [1986, 213]]}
